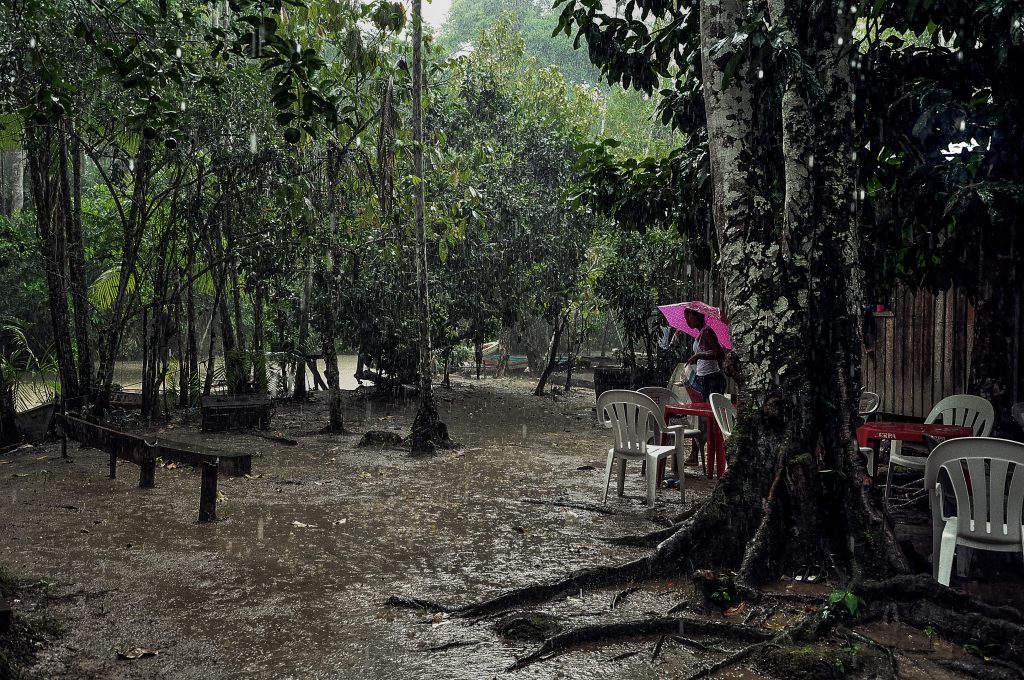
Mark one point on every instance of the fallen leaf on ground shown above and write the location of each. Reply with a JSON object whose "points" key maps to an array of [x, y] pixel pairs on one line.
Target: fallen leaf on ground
{"points": [[586, 467], [519, 530], [20, 474], [364, 475], [302, 525], [171, 466], [41, 457], [221, 496], [5, 462], [737, 610], [339, 521], [254, 476], [137, 653]]}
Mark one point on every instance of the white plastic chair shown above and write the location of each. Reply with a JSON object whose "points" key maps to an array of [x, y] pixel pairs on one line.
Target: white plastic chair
{"points": [[1017, 413], [868, 404], [960, 409], [633, 419], [663, 396], [987, 476], [725, 413]]}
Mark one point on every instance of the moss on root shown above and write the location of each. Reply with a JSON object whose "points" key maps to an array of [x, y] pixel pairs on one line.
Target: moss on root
{"points": [[819, 662]]}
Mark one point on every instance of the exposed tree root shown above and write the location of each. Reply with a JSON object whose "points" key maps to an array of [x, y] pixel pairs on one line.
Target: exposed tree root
{"points": [[700, 646], [621, 596], [589, 507], [922, 586], [977, 670], [649, 540], [453, 645], [760, 545], [630, 629], [796, 631]]}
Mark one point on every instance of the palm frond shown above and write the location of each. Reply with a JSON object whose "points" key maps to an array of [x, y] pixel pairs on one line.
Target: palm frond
{"points": [[103, 291]]}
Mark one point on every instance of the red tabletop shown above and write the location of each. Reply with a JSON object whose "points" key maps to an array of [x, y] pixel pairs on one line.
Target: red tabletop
{"points": [[908, 432], [715, 445], [872, 434]]}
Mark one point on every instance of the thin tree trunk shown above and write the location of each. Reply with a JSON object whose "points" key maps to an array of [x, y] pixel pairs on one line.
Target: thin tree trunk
{"points": [[299, 393], [427, 428], [552, 353], [77, 271], [259, 357], [51, 205], [18, 160]]}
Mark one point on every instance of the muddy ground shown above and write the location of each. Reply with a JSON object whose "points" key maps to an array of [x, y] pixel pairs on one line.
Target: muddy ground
{"points": [[292, 581]]}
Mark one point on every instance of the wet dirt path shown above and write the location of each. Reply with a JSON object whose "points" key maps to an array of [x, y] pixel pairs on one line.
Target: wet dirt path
{"points": [[292, 582]]}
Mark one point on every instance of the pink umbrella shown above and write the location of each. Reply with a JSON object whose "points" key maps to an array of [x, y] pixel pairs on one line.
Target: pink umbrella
{"points": [[712, 317]]}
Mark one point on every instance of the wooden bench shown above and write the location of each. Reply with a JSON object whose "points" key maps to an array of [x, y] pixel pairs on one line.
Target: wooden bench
{"points": [[144, 452], [236, 411]]}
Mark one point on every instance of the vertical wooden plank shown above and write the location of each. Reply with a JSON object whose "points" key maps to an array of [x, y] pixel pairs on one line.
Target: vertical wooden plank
{"points": [[208, 493], [889, 367], [924, 392], [968, 344]]}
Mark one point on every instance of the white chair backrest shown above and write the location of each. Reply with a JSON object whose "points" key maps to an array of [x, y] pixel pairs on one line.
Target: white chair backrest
{"points": [[660, 395], [633, 418], [868, 404], [725, 413], [964, 409], [680, 375], [987, 476]]}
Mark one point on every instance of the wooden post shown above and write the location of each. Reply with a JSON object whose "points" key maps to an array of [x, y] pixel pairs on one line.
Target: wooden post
{"points": [[113, 465], [208, 494], [147, 474]]}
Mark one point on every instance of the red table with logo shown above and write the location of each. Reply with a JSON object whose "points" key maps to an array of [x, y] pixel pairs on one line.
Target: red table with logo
{"points": [[872, 434], [715, 445]]}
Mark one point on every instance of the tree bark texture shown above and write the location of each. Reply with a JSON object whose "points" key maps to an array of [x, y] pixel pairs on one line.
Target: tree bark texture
{"points": [[18, 161], [427, 427], [47, 166], [79, 283], [795, 490]]}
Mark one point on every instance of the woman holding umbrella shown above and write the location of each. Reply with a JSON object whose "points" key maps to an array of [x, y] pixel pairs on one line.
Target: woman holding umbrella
{"points": [[707, 355]]}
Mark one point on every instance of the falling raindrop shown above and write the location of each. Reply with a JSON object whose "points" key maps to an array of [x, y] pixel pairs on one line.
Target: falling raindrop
{"points": [[853, 9], [810, 161], [760, 73], [182, 106], [962, 125], [862, 194], [840, 41], [259, 529], [177, 53], [252, 142], [131, 165], [32, 43], [959, 55], [853, 155]]}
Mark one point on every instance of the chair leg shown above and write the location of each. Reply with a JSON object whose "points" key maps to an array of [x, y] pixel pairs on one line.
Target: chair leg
{"points": [[652, 482], [681, 475], [622, 476], [608, 475], [963, 561], [945, 563]]}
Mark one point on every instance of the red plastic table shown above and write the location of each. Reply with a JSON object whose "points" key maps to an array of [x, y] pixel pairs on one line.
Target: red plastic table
{"points": [[872, 434], [715, 445]]}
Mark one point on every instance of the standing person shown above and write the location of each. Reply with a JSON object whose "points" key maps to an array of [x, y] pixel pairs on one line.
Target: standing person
{"points": [[707, 355]]}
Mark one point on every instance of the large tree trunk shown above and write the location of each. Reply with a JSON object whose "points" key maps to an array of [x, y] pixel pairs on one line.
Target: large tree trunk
{"points": [[796, 490], [427, 428]]}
